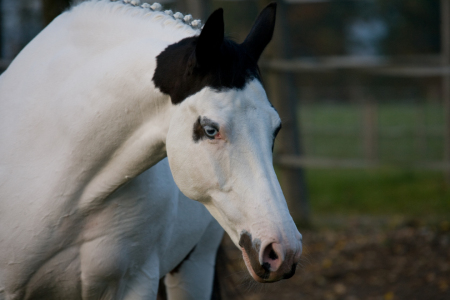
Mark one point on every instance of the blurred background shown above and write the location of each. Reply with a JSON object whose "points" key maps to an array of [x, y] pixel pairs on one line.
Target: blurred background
{"points": [[363, 90]]}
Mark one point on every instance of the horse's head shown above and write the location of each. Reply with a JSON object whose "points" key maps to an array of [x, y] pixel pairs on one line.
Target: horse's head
{"points": [[221, 137]]}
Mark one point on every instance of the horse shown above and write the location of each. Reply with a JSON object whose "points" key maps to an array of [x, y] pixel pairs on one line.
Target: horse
{"points": [[128, 134]]}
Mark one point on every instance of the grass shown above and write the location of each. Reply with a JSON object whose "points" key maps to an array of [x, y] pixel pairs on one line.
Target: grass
{"points": [[405, 132], [380, 192]]}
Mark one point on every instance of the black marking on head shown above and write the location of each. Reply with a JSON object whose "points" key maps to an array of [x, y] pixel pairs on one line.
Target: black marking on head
{"points": [[252, 249], [275, 133], [178, 74], [199, 131], [210, 60]]}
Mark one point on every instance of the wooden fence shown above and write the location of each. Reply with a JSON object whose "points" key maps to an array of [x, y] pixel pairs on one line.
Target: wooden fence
{"points": [[437, 66], [398, 67], [283, 65], [291, 157]]}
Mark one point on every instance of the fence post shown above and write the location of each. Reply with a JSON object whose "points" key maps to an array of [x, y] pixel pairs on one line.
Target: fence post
{"points": [[445, 52], [370, 115], [283, 93], [421, 130], [369, 112], [11, 30]]}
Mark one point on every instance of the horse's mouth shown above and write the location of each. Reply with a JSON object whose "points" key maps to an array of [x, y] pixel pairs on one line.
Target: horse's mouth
{"points": [[265, 273], [262, 272]]}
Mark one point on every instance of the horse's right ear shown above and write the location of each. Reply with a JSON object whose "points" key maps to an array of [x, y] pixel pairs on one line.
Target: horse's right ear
{"points": [[261, 32], [210, 39]]}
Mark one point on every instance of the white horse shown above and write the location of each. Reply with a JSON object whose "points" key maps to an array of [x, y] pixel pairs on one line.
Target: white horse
{"points": [[104, 93]]}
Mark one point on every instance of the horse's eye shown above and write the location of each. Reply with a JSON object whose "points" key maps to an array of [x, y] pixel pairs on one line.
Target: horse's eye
{"points": [[210, 131]]}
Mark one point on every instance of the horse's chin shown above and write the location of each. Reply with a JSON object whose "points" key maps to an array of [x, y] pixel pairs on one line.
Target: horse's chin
{"points": [[252, 272]]}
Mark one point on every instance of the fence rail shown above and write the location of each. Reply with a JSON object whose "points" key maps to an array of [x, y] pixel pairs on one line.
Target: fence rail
{"points": [[409, 67], [425, 67], [289, 161]]}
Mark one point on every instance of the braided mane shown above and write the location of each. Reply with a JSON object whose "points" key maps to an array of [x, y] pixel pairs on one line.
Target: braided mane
{"points": [[154, 12]]}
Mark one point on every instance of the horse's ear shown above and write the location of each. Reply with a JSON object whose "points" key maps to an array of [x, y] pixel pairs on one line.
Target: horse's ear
{"points": [[261, 32], [210, 39]]}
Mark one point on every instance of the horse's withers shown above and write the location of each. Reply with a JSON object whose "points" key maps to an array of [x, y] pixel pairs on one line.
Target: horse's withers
{"points": [[225, 127]]}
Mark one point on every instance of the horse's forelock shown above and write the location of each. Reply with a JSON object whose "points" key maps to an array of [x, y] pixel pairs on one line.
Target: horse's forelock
{"points": [[179, 75]]}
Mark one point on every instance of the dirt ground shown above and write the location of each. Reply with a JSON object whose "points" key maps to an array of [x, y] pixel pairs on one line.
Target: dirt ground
{"points": [[357, 258]]}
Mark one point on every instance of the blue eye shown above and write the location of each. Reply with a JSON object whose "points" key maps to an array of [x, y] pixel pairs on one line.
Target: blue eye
{"points": [[210, 131]]}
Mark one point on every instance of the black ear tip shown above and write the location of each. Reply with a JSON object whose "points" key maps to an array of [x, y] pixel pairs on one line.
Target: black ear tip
{"points": [[272, 5], [216, 17], [217, 13]]}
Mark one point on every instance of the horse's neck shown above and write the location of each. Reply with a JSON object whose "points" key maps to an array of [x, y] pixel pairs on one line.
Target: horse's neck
{"points": [[94, 80], [133, 63]]}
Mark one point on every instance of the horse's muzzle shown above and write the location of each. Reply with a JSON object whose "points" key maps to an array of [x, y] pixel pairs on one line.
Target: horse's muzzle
{"points": [[272, 263]]}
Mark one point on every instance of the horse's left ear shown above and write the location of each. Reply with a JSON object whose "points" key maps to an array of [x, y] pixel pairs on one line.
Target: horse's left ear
{"points": [[261, 32], [210, 39]]}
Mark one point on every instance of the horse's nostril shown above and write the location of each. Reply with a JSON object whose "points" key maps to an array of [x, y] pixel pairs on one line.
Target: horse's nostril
{"points": [[273, 255], [266, 266]]}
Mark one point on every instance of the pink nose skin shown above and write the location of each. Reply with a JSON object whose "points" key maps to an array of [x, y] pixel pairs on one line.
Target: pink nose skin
{"points": [[272, 257], [270, 264]]}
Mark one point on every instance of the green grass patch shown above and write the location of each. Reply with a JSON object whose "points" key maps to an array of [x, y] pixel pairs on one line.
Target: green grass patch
{"points": [[410, 193], [405, 132]]}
